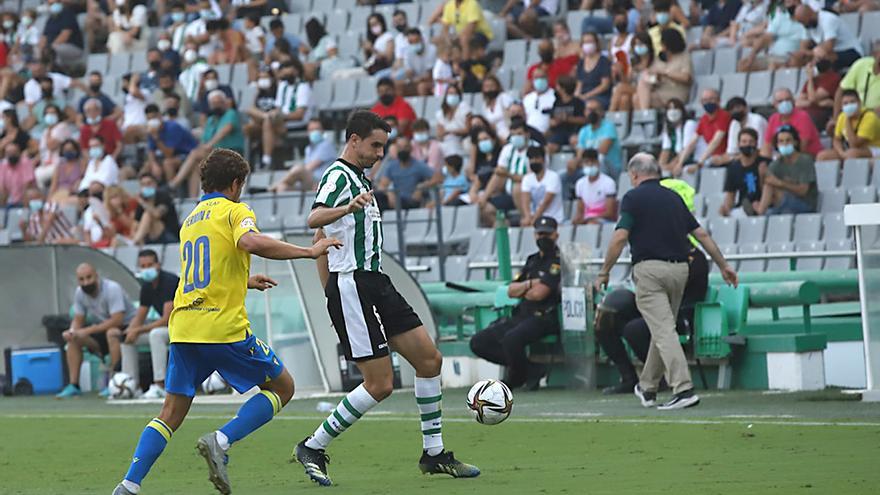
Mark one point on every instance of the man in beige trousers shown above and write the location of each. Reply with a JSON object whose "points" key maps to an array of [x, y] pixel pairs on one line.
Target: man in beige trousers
{"points": [[656, 223]]}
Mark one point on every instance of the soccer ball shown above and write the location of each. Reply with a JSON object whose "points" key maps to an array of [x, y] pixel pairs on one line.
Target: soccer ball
{"points": [[213, 384], [122, 386], [490, 401]]}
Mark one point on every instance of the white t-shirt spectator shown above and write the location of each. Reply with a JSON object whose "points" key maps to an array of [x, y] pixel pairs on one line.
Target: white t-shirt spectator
{"points": [[381, 43], [291, 97], [195, 28], [422, 63], [191, 77], [538, 108], [754, 121], [137, 19], [29, 35], [105, 171], [34, 93], [111, 298], [538, 190], [400, 42], [750, 15], [515, 161], [133, 112], [832, 27], [680, 137], [495, 114], [254, 39], [442, 71], [594, 194], [452, 144]]}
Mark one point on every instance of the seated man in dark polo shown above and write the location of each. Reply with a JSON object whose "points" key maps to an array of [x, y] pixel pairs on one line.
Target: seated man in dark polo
{"points": [[505, 340], [618, 318]]}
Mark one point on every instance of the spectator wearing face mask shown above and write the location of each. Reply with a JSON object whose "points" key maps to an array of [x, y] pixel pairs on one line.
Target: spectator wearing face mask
{"points": [[541, 190], [600, 134], [663, 21], [191, 78], [495, 104], [678, 130], [538, 104], [33, 88], [172, 112], [149, 80], [56, 132], [16, 175], [451, 119], [817, 95], [67, 174], [46, 223], [426, 148], [741, 117], [787, 114], [503, 190], [485, 147], [178, 24], [412, 71], [595, 194], [109, 109], [670, 76], [864, 78], [134, 119], [35, 122], [404, 181], [97, 126], [554, 65], [168, 144], [27, 36], [567, 115], [101, 166], [61, 33], [712, 129], [293, 107], [856, 133], [169, 85], [641, 57], [391, 103], [790, 182], [745, 177], [196, 32], [169, 58], [594, 71], [156, 216], [320, 153], [517, 111], [210, 82]]}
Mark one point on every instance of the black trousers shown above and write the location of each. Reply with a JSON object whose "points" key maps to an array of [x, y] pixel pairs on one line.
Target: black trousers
{"points": [[505, 340]]}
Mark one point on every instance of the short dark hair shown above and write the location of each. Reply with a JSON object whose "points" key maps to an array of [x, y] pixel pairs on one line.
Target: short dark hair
{"points": [[748, 131], [535, 152], [151, 108], [363, 123], [590, 154], [673, 40], [662, 5], [148, 253], [275, 23], [790, 129], [517, 122], [399, 12], [385, 81], [454, 162], [736, 101], [414, 30], [221, 168], [567, 83], [421, 125], [850, 92], [96, 73]]}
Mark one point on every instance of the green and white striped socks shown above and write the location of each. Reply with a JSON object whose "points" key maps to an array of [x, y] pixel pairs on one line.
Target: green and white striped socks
{"points": [[429, 398], [353, 406]]}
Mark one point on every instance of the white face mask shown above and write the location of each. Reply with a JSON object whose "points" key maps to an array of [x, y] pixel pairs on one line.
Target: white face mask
{"points": [[673, 115], [376, 29], [190, 56], [154, 123], [163, 45], [211, 84], [264, 83]]}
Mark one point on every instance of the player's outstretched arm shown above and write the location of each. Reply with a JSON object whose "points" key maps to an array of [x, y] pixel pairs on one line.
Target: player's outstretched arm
{"points": [[323, 215], [273, 249]]}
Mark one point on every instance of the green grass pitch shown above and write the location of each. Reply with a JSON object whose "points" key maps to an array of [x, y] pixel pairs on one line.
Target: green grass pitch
{"points": [[555, 443]]}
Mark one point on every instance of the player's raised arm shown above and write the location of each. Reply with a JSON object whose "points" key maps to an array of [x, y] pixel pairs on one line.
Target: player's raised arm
{"points": [[273, 249]]}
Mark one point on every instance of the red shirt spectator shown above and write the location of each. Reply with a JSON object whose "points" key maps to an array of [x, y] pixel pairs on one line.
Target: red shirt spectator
{"points": [[107, 129], [15, 179], [709, 125], [800, 120], [400, 109], [559, 67]]}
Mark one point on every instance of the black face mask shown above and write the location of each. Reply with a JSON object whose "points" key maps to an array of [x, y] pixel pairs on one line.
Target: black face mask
{"points": [[90, 289], [98, 195], [738, 115], [13, 159], [156, 64], [386, 99], [536, 167], [812, 25], [95, 87], [748, 150], [168, 91], [621, 27], [218, 112], [492, 94], [404, 155], [592, 118], [546, 57], [546, 244], [791, 10], [823, 66], [400, 27]]}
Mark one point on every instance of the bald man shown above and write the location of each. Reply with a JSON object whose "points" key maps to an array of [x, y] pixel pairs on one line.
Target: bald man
{"points": [[105, 305]]}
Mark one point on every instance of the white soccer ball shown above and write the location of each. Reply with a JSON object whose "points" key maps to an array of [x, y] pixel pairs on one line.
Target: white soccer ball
{"points": [[122, 386], [490, 401], [214, 383]]}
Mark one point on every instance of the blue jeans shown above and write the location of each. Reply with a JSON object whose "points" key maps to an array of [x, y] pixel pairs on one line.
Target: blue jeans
{"points": [[791, 204]]}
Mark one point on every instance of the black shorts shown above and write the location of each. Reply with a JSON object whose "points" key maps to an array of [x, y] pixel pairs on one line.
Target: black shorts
{"points": [[503, 202], [366, 310], [101, 338]]}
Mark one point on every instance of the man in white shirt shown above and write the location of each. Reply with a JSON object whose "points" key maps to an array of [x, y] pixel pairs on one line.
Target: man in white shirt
{"points": [[828, 34], [740, 118], [401, 26], [539, 103], [60, 82], [595, 194], [541, 190], [413, 69]]}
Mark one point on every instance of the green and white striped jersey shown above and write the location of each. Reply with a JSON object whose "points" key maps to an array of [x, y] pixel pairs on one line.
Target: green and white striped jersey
{"points": [[515, 161], [361, 231]]}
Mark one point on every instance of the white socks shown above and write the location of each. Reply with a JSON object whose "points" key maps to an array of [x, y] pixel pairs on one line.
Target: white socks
{"points": [[132, 487], [222, 440], [429, 397], [350, 409]]}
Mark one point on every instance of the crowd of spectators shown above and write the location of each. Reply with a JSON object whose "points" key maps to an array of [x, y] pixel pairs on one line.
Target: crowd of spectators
{"points": [[70, 138]]}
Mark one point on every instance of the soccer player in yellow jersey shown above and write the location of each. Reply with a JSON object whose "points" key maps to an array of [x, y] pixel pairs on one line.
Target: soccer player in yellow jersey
{"points": [[209, 329]]}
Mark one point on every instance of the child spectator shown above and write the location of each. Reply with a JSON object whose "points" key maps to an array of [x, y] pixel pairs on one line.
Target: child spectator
{"points": [[595, 193], [455, 184]]}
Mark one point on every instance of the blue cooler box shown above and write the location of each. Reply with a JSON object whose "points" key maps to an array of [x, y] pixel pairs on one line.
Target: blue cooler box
{"points": [[41, 365]]}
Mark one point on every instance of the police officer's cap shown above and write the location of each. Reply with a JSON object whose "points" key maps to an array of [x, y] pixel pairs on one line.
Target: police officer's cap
{"points": [[545, 225]]}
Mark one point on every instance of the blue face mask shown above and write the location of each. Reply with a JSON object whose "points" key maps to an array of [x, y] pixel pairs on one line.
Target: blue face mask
{"points": [[207, 14], [421, 137], [148, 274], [177, 17], [453, 100], [96, 153], [641, 50], [786, 149], [591, 170], [56, 8], [486, 145], [393, 133], [541, 84], [148, 192], [316, 137], [785, 107], [35, 205], [662, 18], [850, 109], [415, 49], [518, 141], [710, 107]]}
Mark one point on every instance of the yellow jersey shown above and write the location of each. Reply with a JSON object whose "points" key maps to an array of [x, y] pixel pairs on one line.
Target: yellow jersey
{"points": [[209, 302]]}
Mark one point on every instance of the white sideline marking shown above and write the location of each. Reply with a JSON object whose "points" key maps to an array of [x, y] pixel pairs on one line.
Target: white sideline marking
{"points": [[568, 419]]}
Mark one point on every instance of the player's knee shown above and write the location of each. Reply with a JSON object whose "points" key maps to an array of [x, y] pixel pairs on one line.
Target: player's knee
{"points": [[434, 364], [380, 390], [114, 334]]}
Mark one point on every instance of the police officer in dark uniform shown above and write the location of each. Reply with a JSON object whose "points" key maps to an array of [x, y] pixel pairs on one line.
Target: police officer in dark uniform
{"points": [[504, 342], [618, 318]]}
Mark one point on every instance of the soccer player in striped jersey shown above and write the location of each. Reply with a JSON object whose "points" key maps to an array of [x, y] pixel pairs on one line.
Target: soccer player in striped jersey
{"points": [[209, 329], [367, 312]]}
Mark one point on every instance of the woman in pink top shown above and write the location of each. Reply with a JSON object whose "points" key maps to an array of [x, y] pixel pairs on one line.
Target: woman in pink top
{"points": [[68, 173]]}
